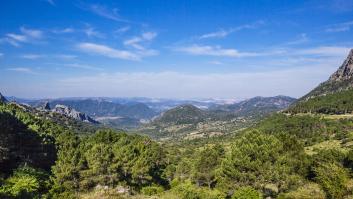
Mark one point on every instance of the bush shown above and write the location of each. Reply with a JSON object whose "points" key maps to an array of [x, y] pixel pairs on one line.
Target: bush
{"points": [[308, 191], [190, 191], [152, 190], [333, 178], [246, 193]]}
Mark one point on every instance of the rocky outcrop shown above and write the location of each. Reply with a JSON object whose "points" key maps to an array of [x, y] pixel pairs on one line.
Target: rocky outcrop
{"points": [[345, 71], [65, 110], [43, 105]]}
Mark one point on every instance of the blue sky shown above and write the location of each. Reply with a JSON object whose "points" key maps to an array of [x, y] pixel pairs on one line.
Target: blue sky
{"points": [[171, 49]]}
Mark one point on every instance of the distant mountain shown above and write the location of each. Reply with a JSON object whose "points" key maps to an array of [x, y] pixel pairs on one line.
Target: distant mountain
{"points": [[256, 106], [2, 99], [184, 114], [190, 122], [340, 80], [70, 112], [102, 108]]}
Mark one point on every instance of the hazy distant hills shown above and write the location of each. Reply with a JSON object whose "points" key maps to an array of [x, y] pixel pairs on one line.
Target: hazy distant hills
{"points": [[101, 108], [130, 113], [256, 105], [188, 121]]}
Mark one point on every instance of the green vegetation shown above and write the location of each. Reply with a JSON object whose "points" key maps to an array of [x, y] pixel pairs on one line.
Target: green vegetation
{"points": [[334, 103]]}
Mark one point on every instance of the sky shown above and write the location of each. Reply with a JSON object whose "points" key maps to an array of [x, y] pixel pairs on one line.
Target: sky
{"points": [[171, 49]]}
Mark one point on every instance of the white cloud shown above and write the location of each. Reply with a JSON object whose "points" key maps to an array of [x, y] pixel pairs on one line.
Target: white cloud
{"points": [[223, 33], [65, 57], [302, 38], [324, 51], [91, 32], [17, 37], [27, 36], [81, 66], [214, 51], [149, 35], [64, 30], [218, 34], [135, 42], [107, 51], [122, 29], [32, 33], [216, 62], [22, 70], [32, 56], [104, 11], [340, 27], [1, 55]]}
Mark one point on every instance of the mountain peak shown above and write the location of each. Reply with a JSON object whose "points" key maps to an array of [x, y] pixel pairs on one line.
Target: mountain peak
{"points": [[345, 71], [340, 80]]}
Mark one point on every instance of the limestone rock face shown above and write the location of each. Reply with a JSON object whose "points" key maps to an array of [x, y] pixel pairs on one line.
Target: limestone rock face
{"points": [[345, 71], [65, 110]]}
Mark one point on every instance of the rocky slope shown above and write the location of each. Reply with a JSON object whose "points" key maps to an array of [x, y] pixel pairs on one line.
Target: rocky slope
{"points": [[340, 80], [70, 112]]}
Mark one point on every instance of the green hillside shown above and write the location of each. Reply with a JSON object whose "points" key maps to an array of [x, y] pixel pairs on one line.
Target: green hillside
{"points": [[334, 103]]}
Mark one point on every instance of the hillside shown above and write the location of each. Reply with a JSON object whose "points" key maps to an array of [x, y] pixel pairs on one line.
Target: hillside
{"points": [[184, 114]]}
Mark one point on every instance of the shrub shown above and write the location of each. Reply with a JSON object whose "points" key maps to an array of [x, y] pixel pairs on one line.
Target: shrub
{"points": [[152, 190], [308, 191], [246, 193], [333, 178]]}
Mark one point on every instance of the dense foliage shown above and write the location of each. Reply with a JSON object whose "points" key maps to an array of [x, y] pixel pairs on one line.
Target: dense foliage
{"points": [[334, 103]]}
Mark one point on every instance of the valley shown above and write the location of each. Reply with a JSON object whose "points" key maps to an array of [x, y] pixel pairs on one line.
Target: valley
{"points": [[177, 99]]}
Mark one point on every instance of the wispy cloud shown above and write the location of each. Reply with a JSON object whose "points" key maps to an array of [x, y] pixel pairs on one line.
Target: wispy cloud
{"points": [[340, 27], [1, 55], [107, 51], [218, 34], [77, 65], [64, 30], [92, 32], [302, 38], [215, 63], [103, 11], [51, 2], [82, 66], [135, 42], [26, 36], [65, 57], [324, 51], [224, 33], [214, 51], [32, 56], [22, 70], [122, 29]]}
